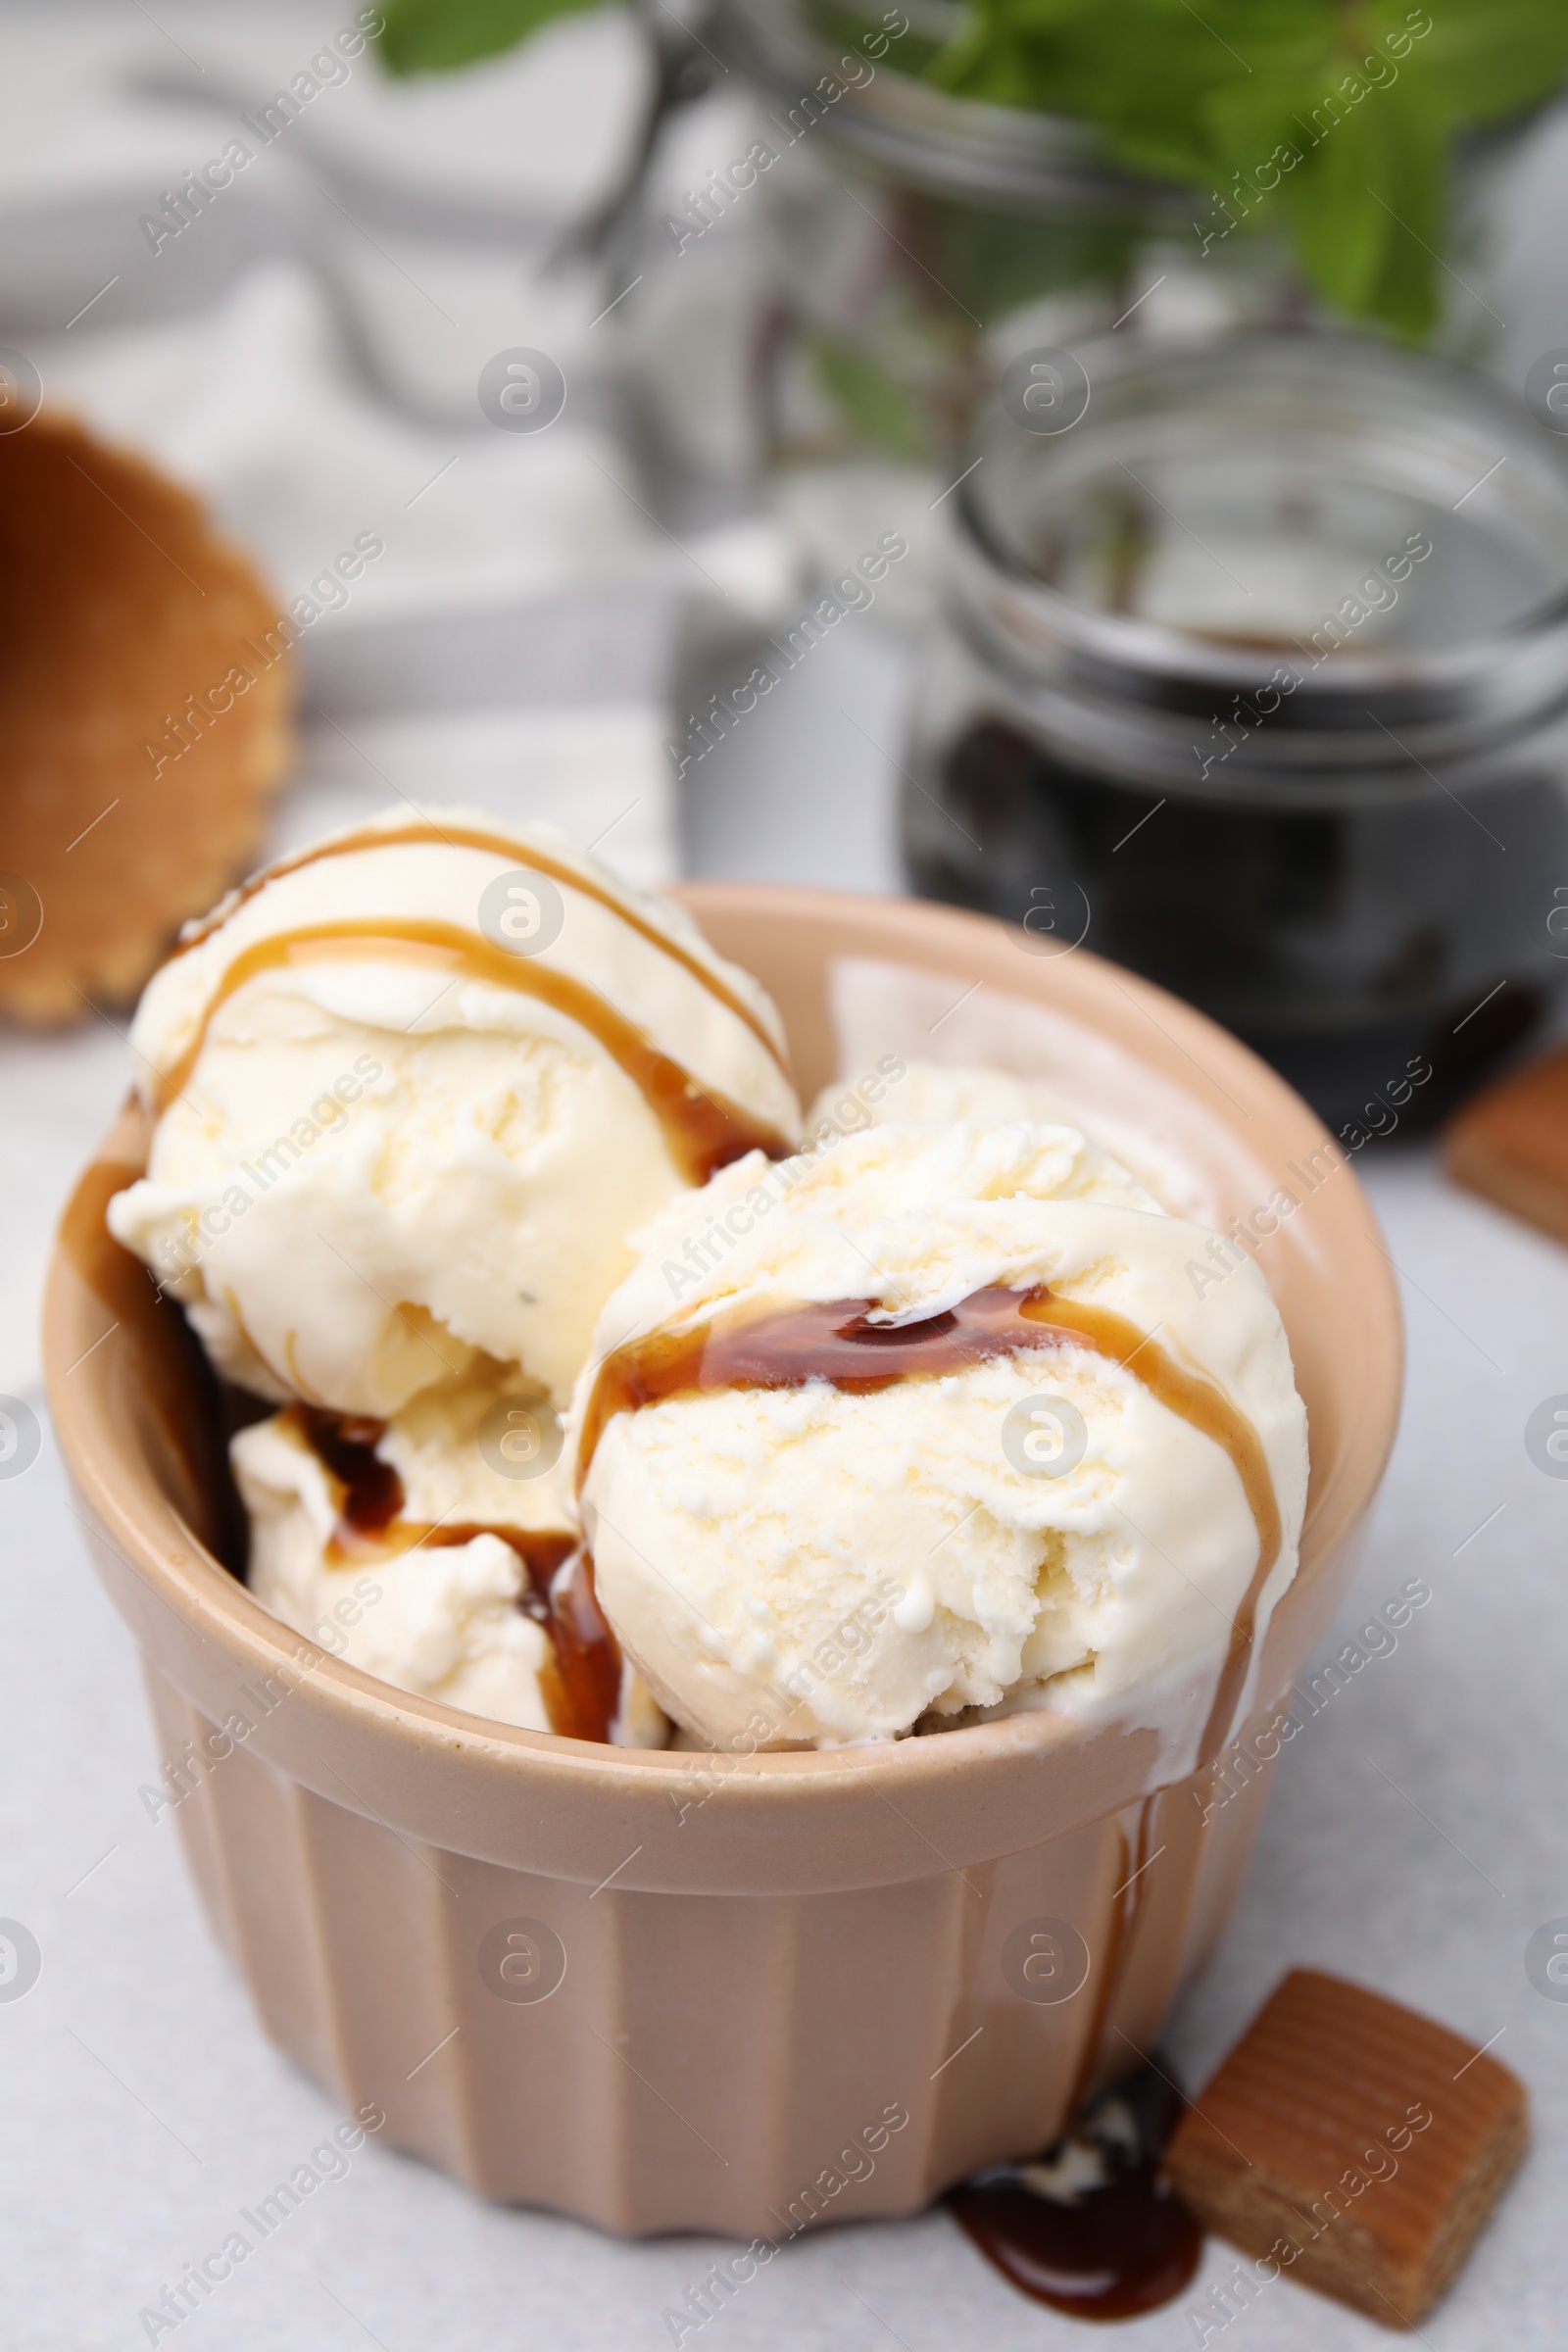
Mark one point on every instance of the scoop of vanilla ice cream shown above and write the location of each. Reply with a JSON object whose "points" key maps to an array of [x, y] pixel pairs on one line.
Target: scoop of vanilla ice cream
{"points": [[926, 1091], [923, 1093], [442, 1621], [807, 1564], [379, 1167]]}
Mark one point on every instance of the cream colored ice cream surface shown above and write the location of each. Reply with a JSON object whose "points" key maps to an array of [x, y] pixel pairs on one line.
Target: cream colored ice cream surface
{"points": [[415, 1092], [925, 1092], [809, 1564], [443, 1621]]}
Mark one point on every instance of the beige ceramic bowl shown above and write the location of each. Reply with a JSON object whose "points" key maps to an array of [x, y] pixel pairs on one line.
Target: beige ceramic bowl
{"points": [[660, 1992]]}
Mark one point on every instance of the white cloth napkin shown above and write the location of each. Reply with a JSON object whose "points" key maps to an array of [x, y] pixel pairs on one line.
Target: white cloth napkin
{"points": [[447, 212]]}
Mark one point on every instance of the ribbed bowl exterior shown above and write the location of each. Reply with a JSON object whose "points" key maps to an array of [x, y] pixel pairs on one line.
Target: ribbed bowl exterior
{"points": [[660, 1991], [707, 2061]]}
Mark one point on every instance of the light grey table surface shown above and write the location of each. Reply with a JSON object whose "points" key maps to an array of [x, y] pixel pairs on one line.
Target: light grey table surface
{"points": [[1414, 1840]]}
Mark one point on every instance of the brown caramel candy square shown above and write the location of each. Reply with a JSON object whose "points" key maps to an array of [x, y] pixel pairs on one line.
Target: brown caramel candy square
{"points": [[1351, 2144], [1511, 1146]]}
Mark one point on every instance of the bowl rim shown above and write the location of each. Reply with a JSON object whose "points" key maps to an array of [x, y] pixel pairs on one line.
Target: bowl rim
{"points": [[140, 1524]]}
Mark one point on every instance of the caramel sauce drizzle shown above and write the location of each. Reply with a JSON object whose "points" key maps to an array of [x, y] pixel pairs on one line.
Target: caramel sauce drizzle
{"points": [[1126, 1909], [835, 1341], [534, 860], [702, 1130], [581, 1677], [169, 1388]]}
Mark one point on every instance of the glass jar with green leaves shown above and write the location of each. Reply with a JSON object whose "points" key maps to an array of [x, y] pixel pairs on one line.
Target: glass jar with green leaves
{"points": [[960, 179], [946, 182]]}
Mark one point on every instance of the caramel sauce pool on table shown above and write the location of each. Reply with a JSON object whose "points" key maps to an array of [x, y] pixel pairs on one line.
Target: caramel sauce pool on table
{"points": [[1124, 2248]]}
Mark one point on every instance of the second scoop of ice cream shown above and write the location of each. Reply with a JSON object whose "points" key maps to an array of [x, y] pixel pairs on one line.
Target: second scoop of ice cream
{"points": [[947, 1426]]}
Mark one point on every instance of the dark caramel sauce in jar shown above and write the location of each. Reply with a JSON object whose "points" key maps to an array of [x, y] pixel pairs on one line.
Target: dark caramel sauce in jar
{"points": [[1111, 2252], [581, 1677], [835, 1341], [1348, 944]]}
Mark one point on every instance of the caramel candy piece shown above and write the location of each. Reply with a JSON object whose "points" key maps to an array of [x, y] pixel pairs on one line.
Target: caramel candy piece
{"points": [[1511, 1144], [1352, 2145]]}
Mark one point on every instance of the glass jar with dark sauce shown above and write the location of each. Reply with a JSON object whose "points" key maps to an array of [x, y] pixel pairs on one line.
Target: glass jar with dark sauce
{"points": [[1255, 679]]}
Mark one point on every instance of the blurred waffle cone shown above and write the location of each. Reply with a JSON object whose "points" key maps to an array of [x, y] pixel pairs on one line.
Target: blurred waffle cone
{"points": [[147, 697]]}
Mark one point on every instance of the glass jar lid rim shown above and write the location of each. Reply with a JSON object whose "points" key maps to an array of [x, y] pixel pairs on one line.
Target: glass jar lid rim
{"points": [[1521, 663]]}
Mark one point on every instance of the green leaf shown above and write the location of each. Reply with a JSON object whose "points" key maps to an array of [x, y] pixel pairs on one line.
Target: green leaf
{"points": [[1368, 208], [1485, 60], [431, 36], [1370, 96], [1340, 231], [1411, 182], [879, 407]]}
